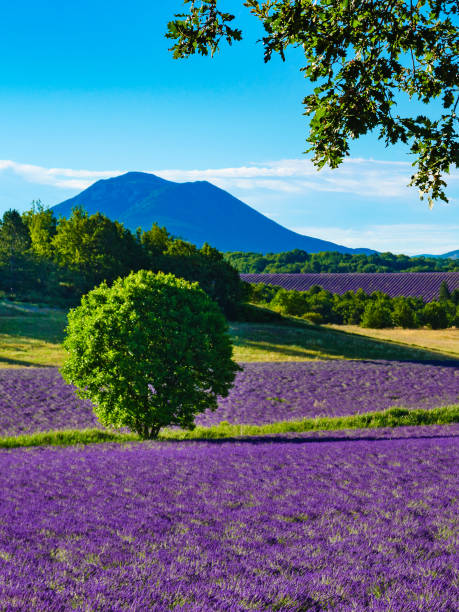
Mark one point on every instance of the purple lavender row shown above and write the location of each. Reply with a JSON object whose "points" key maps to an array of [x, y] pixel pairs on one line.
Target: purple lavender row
{"points": [[39, 400], [418, 284], [280, 525]]}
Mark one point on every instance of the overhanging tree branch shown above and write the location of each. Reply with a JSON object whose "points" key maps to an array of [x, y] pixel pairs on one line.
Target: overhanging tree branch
{"points": [[362, 54]]}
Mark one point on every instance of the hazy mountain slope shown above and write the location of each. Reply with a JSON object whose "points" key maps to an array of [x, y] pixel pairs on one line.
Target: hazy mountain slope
{"points": [[198, 212], [450, 255]]}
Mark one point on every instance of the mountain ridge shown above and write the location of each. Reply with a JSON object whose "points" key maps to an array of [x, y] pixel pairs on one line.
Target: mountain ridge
{"points": [[449, 255], [195, 211]]}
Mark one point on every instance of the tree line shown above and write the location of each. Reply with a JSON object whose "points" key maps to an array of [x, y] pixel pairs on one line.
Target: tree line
{"points": [[56, 261], [299, 261], [377, 310]]}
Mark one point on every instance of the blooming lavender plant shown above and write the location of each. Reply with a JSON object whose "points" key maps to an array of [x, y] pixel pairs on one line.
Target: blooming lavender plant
{"points": [[287, 524], [269, 392], [39, 400]]}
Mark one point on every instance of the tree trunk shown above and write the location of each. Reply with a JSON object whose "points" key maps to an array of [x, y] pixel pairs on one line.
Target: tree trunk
{"points": [[154, 431]]}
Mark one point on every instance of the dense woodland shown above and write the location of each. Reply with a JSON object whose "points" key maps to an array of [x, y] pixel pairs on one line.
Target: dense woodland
{"points": [[56, 261], [298, 261]]}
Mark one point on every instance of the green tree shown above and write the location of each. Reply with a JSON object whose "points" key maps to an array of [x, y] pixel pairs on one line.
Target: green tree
{"points": [[435, 315], [299, 261], [181, 248], [359, 302], [156, 240], [377, 315], [211, 252], [42, 225], [205, 265], [347, 309], [216, 276], [456, 318], [260, 293], [403, 314], [444, 293], [15, 260], [322, 303], [290, 302], [150, 351], [92, 248], [363, 55]]}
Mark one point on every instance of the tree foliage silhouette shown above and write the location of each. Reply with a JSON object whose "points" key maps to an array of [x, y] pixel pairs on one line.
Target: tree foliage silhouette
{"points": [[361, 55]]}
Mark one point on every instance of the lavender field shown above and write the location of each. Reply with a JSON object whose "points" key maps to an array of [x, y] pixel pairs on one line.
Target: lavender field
{"points": [[268, 392], [346, 520], [418, 284], [39, 400], [288, 524]]}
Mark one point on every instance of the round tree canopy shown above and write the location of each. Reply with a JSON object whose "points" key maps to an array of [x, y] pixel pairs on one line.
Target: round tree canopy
{"points": [[149, 351]]}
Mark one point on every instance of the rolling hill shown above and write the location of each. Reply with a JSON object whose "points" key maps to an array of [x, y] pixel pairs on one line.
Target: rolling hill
{"points": [[198, 212], [450, 255]]}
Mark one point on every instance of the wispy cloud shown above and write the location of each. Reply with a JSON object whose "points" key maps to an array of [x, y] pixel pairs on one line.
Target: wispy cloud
{"points": [[411, 239], [65, 178], [358, 176], [362, 177]]}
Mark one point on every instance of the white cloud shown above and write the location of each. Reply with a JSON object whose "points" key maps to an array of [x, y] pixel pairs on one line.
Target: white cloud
{"points": [[65, 178], [363, 177], [411, 239]]}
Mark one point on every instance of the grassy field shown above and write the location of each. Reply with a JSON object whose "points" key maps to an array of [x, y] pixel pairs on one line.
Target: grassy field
{"points": [[299, 341], [394, 417], [33, 336], [444, 340]]}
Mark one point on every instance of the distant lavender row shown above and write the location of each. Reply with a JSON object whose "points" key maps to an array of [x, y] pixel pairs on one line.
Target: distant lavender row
{"points": [[39, 400], [415, 284], [279, 525]]}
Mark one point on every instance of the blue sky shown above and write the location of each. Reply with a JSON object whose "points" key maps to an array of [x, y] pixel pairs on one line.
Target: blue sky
{"points": [[89, 90]]}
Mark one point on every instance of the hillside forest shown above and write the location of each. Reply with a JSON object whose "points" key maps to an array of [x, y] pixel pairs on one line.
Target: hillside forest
{"points": [[299, 261], [56, 261]]}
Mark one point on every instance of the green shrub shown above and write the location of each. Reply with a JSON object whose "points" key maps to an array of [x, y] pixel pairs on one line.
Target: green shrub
{"points": [[321, 302], [350, 306], [149, 351], [376, 315], [290, 302], [403, 315], [313, 317], [435, 315], [260, 293]]}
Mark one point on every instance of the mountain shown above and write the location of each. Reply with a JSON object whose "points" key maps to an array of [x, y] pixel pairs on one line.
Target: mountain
{"points": [[198, 212], [450, 255]]}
